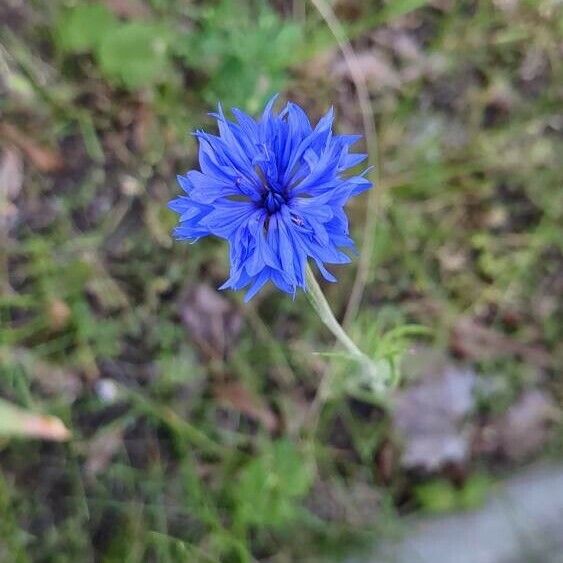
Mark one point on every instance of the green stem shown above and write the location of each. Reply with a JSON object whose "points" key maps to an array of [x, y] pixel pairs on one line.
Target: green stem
{"points": [[322, 308]]}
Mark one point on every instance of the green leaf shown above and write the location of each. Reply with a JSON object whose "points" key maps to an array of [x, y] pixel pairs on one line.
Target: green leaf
{"points": [[133, 54], [475, 491], [83, 27], [244, 52], [270, 485], [441, 496], [437, 496]]}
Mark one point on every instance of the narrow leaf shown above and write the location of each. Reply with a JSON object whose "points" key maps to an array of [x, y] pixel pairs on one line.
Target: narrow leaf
{"points": [[18, 422]]}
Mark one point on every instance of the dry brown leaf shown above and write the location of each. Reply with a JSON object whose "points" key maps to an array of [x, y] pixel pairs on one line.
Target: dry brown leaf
{"points": [[57, 381], [358, 504], [11, 174], [237, 397], [375, 67], [11, 178], [508, 6], [475, 341], [211, 320], [386, 462], [524, 429], [144, 123], [45, 159], [429, 415], [101, 450], [133, 9]]}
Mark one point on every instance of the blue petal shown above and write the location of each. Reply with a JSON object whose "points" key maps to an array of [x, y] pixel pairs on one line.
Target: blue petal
{"points": [[278, 158]]}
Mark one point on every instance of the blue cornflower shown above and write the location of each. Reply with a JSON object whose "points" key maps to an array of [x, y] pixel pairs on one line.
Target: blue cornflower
{"points": [[275, 188]]}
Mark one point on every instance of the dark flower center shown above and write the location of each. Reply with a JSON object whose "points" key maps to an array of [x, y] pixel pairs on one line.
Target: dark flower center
{"points": [[273, 200]]}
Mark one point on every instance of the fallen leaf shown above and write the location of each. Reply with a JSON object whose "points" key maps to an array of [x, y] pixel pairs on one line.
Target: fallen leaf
{"points": [[18, 422], [429, 415], [143, 126], [347, 10], [402, 43], [385, 462], [472, 340], [524, 429], [133, 9], [358, 504], [58, 382], [376, 68], [508, 6], [45, 159], [101, 450], [211, 320], [11, 173], [534, 65], [237, 397], [11, 180]]}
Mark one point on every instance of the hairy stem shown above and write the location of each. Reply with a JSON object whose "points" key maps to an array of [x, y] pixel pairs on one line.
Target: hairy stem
{"points": [[370, 369], [322, 308]]}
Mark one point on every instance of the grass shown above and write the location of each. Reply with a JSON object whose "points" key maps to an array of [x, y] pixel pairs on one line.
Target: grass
{"points": [[190, 440]]}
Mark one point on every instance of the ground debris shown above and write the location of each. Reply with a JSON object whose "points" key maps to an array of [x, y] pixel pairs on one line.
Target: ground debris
{"points": [[45, 159], [51, 379], [475, 341], [101, 450], [522, 431], [430, 415], [210, 319], [11, 181], [132, 9], [357, 504], [376, 68], [11, 173], [240, 399]]}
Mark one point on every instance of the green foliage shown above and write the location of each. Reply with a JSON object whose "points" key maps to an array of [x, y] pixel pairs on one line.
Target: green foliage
{"points": [[441, 496], [98, 334], [270, 485], [132, 54], [12, 538], [82, 28], [245, 52], [385, 340]]}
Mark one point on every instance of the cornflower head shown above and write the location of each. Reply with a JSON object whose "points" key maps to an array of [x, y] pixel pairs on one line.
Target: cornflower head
{"points": [[275, 188]]}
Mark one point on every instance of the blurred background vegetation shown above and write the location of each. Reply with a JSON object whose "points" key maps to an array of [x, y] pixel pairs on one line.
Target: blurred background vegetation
{"points": [[192, 438]]}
